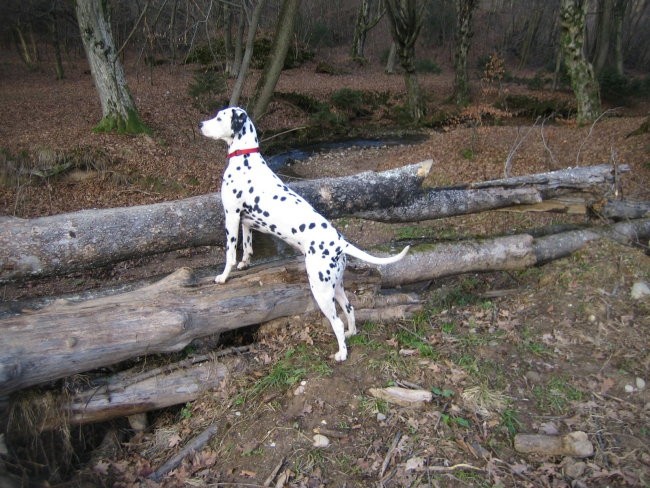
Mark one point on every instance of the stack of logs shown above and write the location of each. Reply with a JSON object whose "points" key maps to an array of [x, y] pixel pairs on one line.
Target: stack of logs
{"points": [[41, 343]]}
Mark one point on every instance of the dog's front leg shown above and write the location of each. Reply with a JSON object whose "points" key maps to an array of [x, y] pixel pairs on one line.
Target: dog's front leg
{"points": [[232, 233], [247, 246]]}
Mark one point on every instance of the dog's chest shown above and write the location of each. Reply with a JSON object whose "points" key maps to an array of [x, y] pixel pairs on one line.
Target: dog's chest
{"points": [[267, 204]]}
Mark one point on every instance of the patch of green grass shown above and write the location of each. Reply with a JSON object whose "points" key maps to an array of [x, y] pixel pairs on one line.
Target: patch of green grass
{"points": [[186, 412], [415, 340], [467, 153], [296, 364], [510, 421], [452, 420], [556, 395], [442, 392]]}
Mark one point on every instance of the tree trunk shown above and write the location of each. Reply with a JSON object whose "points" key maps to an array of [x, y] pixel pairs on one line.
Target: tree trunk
{"points": [[406, 23], [281, 42], [583, 82], [390, 62], [464, 11], [56, 44], [617, 27], [65, 243], [89, 238], [363, 25], [248, 53], [603, 34], [118, 109], [233, 71], [65, 338]]}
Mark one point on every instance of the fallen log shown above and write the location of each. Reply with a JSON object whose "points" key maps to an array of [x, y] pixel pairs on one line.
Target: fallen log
{"points": [[70, 242], [438, 203], [129, 394], [66, 337], [64, 243]]}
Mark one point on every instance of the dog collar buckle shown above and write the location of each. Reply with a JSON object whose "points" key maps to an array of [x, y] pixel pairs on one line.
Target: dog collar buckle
{"points": [[243, 152]]}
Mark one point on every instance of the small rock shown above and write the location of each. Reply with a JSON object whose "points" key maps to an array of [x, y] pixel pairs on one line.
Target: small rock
{"points": [[640, 290], [640, 384], [381, 417], [575, 469], [321, 441], [299, 391], [414, 464], [138, 421], [533, 376]]}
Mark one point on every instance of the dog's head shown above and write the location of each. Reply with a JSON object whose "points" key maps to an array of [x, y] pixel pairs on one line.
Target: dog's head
{"points": [[229, 124]]}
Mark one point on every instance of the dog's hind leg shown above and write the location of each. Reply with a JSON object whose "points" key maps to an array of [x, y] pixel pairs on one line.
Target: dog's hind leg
{"points": [[348, 310], [247, 246], [323, 292], [232, 233]]}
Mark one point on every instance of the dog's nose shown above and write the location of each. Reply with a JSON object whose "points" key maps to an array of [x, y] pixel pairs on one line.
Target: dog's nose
{"points": [[200, 125]]}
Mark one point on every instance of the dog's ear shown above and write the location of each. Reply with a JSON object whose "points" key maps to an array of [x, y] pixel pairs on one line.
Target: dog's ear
{"points": [[238, 120]]}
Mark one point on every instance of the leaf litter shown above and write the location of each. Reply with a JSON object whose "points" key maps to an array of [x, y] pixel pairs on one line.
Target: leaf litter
{"points": [[563, 351]]}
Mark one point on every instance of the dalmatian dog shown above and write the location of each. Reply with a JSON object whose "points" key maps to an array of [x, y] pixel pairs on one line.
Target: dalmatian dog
{"points": [[256, 198]]}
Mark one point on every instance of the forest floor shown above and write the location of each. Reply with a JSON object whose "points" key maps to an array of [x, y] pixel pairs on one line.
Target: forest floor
{"points": [[554, 349]]}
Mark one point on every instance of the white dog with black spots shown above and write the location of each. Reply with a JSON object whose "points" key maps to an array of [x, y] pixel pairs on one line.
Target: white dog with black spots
{"points": [[256, 198]]}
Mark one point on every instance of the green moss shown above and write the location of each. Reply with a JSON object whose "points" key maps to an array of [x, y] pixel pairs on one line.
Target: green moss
{"points": [[131, 125]]}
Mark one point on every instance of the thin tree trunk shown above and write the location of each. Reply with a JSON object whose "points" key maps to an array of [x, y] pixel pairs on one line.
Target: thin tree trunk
{"points": [[273, 69], [603, 34], [248, 53], [118, 109], [406, 23], [239, 44], [390, 62], [464, 10], [363, 25], [583, 82]]}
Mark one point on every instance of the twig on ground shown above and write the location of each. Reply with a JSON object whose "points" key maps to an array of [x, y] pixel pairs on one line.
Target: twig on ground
{"points": [[389, 454], [192, 446]]}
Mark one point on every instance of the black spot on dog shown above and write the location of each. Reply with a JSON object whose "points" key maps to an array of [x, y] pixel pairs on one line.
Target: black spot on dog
{"points": [[302, 227]]}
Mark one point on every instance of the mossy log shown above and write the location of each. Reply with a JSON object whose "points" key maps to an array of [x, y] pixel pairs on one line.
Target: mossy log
{"points": [[65, 337]]}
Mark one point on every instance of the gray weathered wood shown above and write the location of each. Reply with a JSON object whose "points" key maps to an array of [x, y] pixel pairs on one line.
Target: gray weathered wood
{"points": [[66, 338], [74, 241]]}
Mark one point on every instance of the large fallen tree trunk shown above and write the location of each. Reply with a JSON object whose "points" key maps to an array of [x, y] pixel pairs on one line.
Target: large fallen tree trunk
{"points": [[438, 203], [66, 338], [65, 243]]}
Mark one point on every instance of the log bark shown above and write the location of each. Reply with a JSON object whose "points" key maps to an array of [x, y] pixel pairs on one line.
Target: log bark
{"points": [[65, 338], [124, 395], [70, 242], [75, 241]]}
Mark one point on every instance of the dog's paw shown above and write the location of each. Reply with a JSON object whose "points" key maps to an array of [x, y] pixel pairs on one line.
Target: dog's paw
{"points": [[242, 265], [220, 279], [341, 356], [350, 332]]}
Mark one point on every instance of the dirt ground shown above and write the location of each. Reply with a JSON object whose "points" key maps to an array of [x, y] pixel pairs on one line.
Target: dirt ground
{"points": [[555, 349]]}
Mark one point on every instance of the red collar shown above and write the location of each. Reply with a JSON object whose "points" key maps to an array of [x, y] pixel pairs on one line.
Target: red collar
{"points": [[242, 152]]}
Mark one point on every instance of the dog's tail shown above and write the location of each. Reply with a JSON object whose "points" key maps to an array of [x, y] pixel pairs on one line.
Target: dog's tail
{"points": [[364, 256]]}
